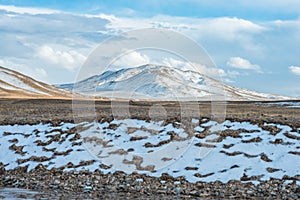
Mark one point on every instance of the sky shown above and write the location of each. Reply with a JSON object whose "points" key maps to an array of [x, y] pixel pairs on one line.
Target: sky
{"points": [[254, 45]]}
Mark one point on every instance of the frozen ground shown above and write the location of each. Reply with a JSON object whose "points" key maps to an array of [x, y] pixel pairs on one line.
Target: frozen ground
{"points": [[199, 150], [287, 104]]}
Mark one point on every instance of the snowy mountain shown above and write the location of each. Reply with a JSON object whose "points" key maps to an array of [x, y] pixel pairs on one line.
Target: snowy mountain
{"points": [[163, 83], [15, 84]]}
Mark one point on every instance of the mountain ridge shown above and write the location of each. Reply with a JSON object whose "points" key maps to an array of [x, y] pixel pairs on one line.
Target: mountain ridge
{"points": [[14, 84], [160, 82]]}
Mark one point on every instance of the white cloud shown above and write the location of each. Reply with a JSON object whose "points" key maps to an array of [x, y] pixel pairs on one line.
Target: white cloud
{"points": [[131, 59], [42, 73], [223, 27], [233, 73], [208, 71], [171, 62], [241, 63], [34, 72], [226, 28], [53, 40], [228, 32], [69, 59], [295, 70], [27, 10], [67, 38]]}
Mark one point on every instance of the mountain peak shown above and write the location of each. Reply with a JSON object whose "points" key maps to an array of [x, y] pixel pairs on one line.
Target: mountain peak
{"points": [[159, 82]]}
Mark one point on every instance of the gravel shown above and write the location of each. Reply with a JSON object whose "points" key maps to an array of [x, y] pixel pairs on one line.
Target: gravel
{"points": [[56, 184]]}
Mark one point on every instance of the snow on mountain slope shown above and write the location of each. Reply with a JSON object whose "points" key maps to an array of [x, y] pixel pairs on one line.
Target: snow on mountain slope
{"points": [[15, 84], [163, 83]]}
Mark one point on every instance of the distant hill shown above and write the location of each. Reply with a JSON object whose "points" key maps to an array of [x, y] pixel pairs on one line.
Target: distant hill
{"points": [[16, 85], [163, 83]]}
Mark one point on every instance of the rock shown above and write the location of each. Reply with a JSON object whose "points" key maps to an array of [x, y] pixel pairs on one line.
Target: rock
{"points": [[250, 192], [139, 180], [161, 192], [76, 172], [177, 183], [94, 185], [122, 187], [88, 188], [273, 193], [177, 191], [194, 193]]}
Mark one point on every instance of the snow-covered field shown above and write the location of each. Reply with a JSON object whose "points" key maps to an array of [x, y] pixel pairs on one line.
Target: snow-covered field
{"points": [[291, 104], [199, 149]]}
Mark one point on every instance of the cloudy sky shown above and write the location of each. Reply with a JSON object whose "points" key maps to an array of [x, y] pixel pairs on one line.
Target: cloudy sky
{"points": [[254, 45]]}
